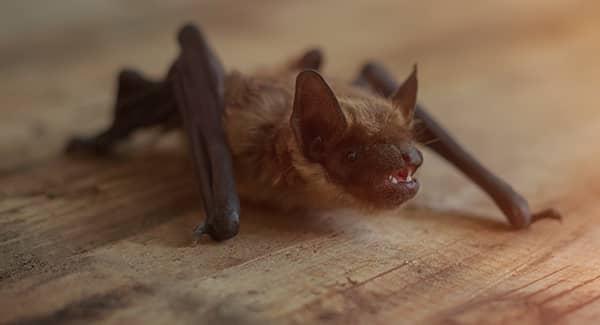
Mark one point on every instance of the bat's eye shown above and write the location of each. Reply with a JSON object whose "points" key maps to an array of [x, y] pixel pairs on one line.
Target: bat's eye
{"points": [[352, 156]]}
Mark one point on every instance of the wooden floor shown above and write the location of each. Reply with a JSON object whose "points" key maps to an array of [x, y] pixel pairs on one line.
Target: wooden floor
{"points": [[110, 240]]}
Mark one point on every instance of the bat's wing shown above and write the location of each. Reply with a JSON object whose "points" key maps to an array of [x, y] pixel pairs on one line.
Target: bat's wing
{"points": [[197, 79], [512, 204]]}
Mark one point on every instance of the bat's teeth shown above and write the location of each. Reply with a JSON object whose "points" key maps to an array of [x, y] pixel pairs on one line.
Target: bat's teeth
{"points": [[402, 176]]}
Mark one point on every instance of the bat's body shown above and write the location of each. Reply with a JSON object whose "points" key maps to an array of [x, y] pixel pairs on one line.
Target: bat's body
{"points": [[270, 165], [267, 162], [292, 140]]}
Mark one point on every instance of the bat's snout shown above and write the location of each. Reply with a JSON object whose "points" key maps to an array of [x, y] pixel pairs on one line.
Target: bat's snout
{"points": [[412, 157]]}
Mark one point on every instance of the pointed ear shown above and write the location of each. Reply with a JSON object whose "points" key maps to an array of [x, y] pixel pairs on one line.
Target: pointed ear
{"points": [[317, 120], [405, 98]]}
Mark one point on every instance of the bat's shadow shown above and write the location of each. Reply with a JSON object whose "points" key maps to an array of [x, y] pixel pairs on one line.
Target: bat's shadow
{"points": [[152, 197]]}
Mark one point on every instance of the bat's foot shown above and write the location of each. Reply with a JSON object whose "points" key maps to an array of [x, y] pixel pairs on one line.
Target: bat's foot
{"points": [[517, 210], [546, 214], [81, 145], [221, 229]]}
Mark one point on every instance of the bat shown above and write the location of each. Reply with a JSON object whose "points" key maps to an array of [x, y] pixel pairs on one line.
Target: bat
{"points": [[290, 139]]}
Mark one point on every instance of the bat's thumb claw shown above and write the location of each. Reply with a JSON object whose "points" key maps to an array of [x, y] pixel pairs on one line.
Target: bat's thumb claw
{"points": [[200, 230]]}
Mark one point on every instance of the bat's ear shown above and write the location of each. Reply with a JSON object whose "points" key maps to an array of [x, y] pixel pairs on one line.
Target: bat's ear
{"points": [[317, 120], [405, 98]]}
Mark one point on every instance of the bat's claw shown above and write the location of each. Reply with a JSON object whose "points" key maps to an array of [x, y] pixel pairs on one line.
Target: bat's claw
{"points": [[200, 230], [546, 214], [517, 210]]}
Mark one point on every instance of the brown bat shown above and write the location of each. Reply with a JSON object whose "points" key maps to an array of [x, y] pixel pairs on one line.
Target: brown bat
{"points": [[287, 138]]}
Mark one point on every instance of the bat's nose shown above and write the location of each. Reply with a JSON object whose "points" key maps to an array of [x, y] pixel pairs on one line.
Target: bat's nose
{"points": [[411, 157]]}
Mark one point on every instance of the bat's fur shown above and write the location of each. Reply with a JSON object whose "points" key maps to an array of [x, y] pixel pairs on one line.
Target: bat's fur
{"points": [[270, 165]]}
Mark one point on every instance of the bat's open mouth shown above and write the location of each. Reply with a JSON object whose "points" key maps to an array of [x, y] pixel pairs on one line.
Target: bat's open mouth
{"points": [[403, 182], [398, 187], [402, 176]]}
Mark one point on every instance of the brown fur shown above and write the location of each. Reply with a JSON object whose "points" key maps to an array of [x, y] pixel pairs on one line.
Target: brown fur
{"points": [[269, 164]]}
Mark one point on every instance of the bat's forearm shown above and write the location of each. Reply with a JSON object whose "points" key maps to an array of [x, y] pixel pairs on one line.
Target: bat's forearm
{"points": [[434, 136], [197, 82]]}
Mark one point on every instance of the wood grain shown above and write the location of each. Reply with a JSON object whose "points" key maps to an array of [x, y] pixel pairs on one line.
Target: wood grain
{"points": [[109, 240]]}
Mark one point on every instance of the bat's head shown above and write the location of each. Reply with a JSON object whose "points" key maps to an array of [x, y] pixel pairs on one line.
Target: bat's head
{"points": [[363, 142]]}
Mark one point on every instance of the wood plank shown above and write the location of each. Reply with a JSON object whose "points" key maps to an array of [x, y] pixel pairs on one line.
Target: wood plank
{"points": [[85, 240]]}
